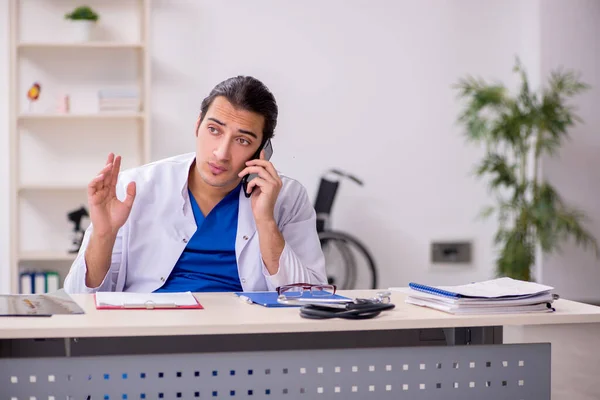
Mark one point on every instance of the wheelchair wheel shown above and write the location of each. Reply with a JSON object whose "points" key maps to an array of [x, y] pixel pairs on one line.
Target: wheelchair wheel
{"points": [[341, 263], [340, 239]]}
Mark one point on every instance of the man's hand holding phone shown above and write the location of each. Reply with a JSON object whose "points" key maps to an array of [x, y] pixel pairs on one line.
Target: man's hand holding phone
{"points": [[264, 188]]}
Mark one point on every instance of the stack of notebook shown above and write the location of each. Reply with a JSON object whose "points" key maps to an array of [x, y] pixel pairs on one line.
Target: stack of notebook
{"points": [[497, 296]]}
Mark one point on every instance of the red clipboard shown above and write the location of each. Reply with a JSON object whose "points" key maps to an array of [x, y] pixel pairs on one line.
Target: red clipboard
{"points": [[150, 305]]}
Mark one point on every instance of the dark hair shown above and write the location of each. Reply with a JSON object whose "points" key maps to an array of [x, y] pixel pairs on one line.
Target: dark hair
{"points": [[250, 94]]}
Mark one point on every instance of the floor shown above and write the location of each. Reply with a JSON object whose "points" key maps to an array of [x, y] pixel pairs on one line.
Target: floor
{"points": [[575, 357]]}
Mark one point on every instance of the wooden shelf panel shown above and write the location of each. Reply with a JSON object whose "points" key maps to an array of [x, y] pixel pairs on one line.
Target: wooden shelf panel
{"points": [[82, 45], [46, 256], [100, 115], [54, 187]]}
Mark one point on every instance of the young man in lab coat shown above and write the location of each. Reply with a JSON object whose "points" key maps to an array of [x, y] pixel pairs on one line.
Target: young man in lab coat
{"points": [[185, 224]]}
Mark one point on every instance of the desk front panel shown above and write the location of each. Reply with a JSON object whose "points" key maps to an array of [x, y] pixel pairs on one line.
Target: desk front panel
{"points": [[516, 371]]}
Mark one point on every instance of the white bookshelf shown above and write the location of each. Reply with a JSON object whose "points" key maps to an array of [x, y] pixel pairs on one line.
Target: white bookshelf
{"points": [[55, 154]]}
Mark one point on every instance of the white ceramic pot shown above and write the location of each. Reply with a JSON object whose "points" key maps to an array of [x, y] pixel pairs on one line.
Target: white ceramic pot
{"points": [[82, 30]]}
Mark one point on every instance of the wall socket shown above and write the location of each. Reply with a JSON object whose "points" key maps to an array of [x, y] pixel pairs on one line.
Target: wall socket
{"points": [[451, 252]]}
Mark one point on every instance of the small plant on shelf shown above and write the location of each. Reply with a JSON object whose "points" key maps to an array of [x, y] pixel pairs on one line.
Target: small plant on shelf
{"points": [[83, 19], [83, 13]]}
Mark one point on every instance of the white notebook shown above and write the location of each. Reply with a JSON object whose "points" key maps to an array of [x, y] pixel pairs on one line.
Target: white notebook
{"points": [[146, 300], [475, 301], [482, 309]]}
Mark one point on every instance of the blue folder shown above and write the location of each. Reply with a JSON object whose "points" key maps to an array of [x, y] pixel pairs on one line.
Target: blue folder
{"points": [[269, 299]]}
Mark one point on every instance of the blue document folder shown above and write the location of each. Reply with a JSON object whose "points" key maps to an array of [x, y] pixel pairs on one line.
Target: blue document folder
{"points": [[269, 299]]}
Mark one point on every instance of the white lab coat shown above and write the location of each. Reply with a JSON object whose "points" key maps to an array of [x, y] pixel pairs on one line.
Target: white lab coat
{"points": [[161, 222]]}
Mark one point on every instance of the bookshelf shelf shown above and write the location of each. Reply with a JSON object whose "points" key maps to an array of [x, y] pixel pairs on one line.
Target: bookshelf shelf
{"points": [[91, 116], [46, 256], [77, 46], [53, 187]]}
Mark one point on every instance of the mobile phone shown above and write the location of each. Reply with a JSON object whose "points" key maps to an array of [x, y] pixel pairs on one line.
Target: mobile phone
{"points": [[268, 148]]}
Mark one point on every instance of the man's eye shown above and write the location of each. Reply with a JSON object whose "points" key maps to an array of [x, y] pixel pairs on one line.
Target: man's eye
{"points": [[212, 129], [244, 141]]}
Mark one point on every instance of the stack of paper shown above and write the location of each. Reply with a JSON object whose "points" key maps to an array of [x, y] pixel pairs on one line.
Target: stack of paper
{"points": [[113, 100], [497, 296]]}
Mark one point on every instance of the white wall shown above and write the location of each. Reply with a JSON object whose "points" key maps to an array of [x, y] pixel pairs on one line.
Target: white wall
{"points": [[4, 175], [570, 32], [364, 87]]}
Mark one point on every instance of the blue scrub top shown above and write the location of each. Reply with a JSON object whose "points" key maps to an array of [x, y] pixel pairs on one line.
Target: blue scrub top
{"points": [[208, 263]]}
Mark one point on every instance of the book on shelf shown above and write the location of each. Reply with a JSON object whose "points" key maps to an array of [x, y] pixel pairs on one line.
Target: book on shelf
{"points": [[38, 282], [112, 100]]}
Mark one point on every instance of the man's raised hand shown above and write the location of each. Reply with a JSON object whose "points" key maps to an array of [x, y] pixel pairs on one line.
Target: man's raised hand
{"points": [[107, 213]]}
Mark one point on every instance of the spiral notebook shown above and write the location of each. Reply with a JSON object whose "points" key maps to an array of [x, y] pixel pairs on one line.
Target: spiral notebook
{"points": [[491, 289], [496, 296]]}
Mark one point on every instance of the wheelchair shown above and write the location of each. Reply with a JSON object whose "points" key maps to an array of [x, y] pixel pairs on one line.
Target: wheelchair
{"points": [[348, 261]]}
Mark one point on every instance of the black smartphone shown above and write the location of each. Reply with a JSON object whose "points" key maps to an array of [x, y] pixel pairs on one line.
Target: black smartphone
{"points": [[268, 148]]}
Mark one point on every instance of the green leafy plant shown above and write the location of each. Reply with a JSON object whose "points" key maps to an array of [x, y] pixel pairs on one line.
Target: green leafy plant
{"points": [[516, 131], [84, 13]]}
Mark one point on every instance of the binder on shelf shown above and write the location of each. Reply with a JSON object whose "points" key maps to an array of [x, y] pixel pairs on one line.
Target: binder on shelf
{"points": [[39, 282], [26, 283], [52, 282]]}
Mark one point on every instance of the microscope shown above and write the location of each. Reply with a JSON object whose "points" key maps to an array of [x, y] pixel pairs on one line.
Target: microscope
{"points": [[75, 217]]}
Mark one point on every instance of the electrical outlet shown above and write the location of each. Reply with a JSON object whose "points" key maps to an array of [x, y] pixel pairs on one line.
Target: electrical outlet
{"points": [[451, 252]]}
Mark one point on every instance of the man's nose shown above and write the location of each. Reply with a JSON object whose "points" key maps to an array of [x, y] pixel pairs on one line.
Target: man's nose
{"points": [[223, 150]]}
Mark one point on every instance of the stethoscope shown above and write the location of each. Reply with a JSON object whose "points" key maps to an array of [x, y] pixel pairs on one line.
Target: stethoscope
{"points": [[358, 308]]}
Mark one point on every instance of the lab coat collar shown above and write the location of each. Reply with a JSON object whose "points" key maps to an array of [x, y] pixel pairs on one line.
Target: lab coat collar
{"points": [[246, 224], [182, 180]]}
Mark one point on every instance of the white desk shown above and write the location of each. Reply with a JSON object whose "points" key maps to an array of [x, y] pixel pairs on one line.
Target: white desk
{"points": [[225, 314], [403, 352]]}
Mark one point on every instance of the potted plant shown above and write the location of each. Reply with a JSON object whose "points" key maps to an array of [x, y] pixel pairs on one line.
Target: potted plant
{"points": [[516, 131], [83, 19]]}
